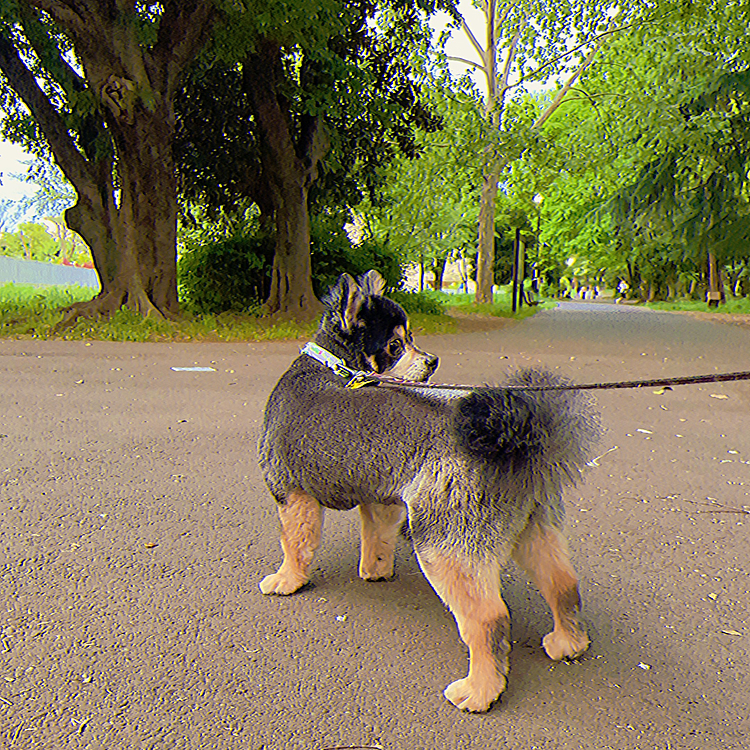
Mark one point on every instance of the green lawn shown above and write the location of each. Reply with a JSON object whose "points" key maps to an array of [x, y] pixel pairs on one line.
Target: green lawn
{"points": [[28, 311], [733, 305]]}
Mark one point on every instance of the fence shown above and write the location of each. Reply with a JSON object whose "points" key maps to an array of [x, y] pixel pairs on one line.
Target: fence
{"points": [[19, 271]]}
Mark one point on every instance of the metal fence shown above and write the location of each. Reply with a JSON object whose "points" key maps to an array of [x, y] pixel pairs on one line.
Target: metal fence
{"points": [[18, 271]]}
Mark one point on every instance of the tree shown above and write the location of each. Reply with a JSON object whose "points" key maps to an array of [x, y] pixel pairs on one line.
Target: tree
{"points": [[426, 209], [304, 111], [30, 241], [529, 40], [666, 150], [99, 80]]}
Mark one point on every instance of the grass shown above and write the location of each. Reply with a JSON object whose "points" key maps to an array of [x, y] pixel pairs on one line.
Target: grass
{"points": [[32, 312], [501, 307], [733, 306], [28, 311]]}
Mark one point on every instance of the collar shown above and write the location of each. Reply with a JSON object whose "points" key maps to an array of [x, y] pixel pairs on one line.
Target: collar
{"points": [[354, 378]]}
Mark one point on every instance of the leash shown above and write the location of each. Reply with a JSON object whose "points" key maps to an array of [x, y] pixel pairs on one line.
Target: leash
{"points": [[359, 378]]}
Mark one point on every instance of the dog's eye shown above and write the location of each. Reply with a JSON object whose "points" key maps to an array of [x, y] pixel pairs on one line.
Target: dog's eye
{"points": [[395, 348]]}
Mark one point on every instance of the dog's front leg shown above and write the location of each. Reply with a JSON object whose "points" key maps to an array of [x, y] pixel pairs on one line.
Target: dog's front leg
{"points": [[301, 531], [472, 591], [380, 524]]}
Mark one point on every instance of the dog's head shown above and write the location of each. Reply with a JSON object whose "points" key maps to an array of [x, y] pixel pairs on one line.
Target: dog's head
{"points": [[373, 329]]}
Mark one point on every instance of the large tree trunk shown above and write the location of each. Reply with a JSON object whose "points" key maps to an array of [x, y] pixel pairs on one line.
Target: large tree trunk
{"points": [[127, 193], [133, 240], [290, 166], [291, 292]]}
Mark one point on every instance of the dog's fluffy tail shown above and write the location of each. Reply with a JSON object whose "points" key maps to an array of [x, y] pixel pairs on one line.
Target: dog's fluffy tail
{"points": [[540, 436]]}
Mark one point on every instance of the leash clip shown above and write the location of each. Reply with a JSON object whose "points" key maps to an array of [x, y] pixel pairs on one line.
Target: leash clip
{"points": [[360, 379]]}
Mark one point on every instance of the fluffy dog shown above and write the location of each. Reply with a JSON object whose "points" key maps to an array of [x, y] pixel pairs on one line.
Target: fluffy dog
{"points": [[479, 476]]}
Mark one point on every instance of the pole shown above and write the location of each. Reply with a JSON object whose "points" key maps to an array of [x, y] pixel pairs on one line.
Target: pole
{"points": [[516, 245]]}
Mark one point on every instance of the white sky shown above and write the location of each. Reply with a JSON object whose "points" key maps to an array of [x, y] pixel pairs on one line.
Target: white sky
{"points": [[459, 45], [11, 157]]}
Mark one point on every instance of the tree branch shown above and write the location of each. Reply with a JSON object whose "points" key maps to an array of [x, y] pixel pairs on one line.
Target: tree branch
{"points": [[48, 51], [23, 82], [475, 42], [557, 101], [508, 62], [65, 15], [466, 62], [597, 38], [183, 29]]}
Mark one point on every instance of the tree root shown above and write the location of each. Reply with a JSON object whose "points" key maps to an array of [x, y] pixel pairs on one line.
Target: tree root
{"points": [[106, 304]]}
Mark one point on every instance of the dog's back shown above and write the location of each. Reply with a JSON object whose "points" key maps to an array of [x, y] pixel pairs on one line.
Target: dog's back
{"points": [[346, 446]]}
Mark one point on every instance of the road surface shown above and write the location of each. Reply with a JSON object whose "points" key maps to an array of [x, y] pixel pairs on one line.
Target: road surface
{"points": [[134, 528]]}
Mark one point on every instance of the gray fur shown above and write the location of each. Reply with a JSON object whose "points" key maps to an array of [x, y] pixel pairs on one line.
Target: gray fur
{"points": [[383, 445]]}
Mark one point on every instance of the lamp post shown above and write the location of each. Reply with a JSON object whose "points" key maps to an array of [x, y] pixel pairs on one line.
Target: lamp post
{"points": [[538, 199]]}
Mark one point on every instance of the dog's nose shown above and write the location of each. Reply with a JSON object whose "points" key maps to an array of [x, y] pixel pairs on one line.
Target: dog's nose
{"points": [[432, 362]]}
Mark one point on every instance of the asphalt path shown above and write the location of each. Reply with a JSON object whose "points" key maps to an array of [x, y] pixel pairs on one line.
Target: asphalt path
{"points": [[135, 527]]}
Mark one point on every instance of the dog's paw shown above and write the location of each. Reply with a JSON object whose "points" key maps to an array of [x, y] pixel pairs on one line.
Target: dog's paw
{"points": [[378, 568], [470, 695], [562, 644], [277, 583]]}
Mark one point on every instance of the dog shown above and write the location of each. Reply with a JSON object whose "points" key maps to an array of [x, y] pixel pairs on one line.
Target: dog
{"points": [[478, 476]]}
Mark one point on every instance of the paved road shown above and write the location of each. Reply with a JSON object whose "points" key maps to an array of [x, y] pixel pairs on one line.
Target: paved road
{"points": [[134, 528]]}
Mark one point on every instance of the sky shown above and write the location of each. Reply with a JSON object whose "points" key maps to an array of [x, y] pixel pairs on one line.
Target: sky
{"points": [[11, 158]]}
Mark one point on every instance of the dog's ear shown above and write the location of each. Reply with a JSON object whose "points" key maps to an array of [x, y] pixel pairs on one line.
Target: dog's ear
{"points": [[344, 299], [371, 283]]}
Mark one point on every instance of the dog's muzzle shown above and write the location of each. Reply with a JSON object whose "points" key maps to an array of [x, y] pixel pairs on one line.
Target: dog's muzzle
{"points": [[415, 364]]}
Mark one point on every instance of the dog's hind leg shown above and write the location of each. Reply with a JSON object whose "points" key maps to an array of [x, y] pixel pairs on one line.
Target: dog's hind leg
{"points": [[543, 553], [380, 525], [472, 591], [301, 530]]}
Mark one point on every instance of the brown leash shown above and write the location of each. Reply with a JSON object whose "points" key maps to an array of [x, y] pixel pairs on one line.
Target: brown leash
{"points": [[654, 383], [359, 378]]}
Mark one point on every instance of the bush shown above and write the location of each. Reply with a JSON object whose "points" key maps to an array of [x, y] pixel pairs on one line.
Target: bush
{"points": [[418, 302], [333, 254], [234, 274], [230, 275]]}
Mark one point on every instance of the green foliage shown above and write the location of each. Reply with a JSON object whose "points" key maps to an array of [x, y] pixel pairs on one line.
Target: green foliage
{"points": [[333, 253], [357, 74], [659, 164], [734, 306], [25, 308], [28, 311], [231, 272], [226, 275], [425, 303], [426, 210], [501, 307], [30, 241]]}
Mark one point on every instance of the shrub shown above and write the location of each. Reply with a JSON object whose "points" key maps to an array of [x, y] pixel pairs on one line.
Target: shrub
{"points": [[234, 274], [418, 302], [229, 275], [333, 254]]}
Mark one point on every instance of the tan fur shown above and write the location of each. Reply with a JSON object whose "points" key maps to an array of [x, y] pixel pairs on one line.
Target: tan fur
{"points": [[301, 531], [380, 524], [472, 592], [543, 553], [411, 363]]}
